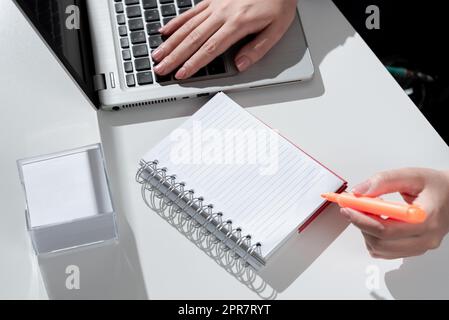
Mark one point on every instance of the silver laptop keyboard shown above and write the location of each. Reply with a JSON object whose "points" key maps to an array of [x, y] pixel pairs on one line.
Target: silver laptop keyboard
{"points": [[138, 22]]}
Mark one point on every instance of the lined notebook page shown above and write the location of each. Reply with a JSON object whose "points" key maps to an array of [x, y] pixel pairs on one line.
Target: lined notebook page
{"points": [[256, 178]]}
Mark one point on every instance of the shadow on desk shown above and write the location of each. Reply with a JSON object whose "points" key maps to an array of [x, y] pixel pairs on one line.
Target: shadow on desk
{"points": [[423, 277], [301, 250], [106, 271], [282, 269]]}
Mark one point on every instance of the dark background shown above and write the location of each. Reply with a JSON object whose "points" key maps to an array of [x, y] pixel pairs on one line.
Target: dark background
{"points": [[412, 35]]}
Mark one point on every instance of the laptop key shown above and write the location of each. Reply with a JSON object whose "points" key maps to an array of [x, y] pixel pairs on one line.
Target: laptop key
{"points": [[124, 43], [126, 54], [155, 41], [130, 80], [149, 4], [168, 10], [197, 1], [153, 28], [128, 67], [166, 1], [144, 78], [138, 37], [119, 8], [216, 67], [166, 78], [184, 3], [133, 12], [168, 19], [142, 64], [182, 10], [121, 19], [135, 24], [130, 2], [140, 51], [122, 31], [152, 15]]}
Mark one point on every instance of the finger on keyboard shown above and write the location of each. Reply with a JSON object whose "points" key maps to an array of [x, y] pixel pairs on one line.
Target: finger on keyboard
{"points": [[176, 38], [179, 21], [191, 44], [208, 53]]}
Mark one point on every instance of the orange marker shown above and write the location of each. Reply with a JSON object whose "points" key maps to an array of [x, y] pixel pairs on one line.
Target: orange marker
{"points": [[399, 211]]}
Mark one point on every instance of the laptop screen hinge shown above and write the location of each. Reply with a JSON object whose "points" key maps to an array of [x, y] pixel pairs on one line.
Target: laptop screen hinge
{"points": [[100, 82]]}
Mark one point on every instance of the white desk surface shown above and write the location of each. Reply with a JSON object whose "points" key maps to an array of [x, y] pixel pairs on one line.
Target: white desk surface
{"points": [[352, 116]]}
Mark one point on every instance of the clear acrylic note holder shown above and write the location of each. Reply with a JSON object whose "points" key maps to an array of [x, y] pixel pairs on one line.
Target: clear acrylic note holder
{"points": [[68, 200]]}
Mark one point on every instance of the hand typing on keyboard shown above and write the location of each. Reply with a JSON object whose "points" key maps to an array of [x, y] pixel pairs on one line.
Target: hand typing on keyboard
{"points": [[199, 35]]}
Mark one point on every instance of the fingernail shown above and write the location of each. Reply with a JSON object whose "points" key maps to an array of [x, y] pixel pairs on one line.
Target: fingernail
{"points": [[242, 63], [159, 69], [161, 29], [157, 54], [362, 188], [181, 74]]}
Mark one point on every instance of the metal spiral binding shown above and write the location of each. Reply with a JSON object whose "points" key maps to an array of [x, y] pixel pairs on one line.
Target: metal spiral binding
{"points": [[232, 243]]}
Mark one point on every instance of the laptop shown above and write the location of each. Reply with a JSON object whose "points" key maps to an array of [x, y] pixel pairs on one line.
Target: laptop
{"points": [[106, 45]]}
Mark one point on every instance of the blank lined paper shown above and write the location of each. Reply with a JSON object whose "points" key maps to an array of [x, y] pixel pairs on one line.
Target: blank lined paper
{"points": [[260, 181]]}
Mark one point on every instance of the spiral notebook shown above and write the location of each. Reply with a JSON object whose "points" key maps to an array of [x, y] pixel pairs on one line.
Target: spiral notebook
{"points": [[238, 180]]}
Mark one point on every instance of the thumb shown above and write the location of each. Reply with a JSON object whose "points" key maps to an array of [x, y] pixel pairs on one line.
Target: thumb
{"points": [[258, 48], [408, 181]]}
